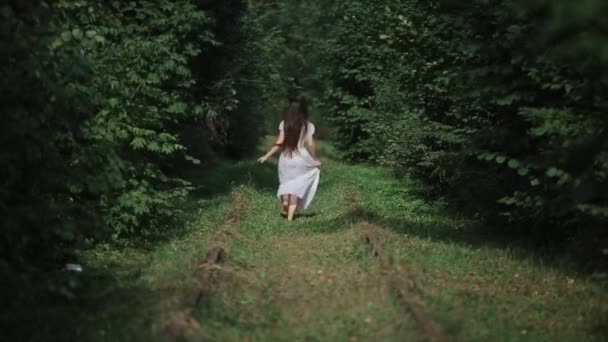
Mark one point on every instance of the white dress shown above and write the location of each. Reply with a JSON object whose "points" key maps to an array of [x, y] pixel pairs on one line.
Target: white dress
{"points": [[298, 174]]}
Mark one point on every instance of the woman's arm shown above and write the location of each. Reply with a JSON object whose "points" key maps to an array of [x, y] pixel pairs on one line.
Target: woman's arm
{"points": [[276, 147], [313, 146], [313, 149]]}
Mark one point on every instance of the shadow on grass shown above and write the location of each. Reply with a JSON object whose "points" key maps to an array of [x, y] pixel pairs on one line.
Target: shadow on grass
{"points": [[466, 234], [62, 306], [112, 302], [307, 215], [212, 183], [475, 236], [215, 180]]}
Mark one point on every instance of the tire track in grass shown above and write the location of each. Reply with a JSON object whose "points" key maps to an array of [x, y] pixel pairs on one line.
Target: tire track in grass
{"points": [[309, 283], [177, 322], [303, 287], [397, 277], [401, 282], [220, 247], [304, 282]]}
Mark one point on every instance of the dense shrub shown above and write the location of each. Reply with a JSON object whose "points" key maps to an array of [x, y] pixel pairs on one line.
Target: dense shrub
{"points": [[497, 104], [290, 39], [101, 101]]}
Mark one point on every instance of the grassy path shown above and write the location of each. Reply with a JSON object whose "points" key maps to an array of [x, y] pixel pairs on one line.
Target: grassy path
{"points": [[318, 279], [369, 261]]}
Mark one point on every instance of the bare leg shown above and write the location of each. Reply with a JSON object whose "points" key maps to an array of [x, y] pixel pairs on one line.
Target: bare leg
{"points": [[293, 205], [285, 201]]}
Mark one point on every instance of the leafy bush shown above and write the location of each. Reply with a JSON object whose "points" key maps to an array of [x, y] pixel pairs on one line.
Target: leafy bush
{"points": [[496, 104], [102, 102]]}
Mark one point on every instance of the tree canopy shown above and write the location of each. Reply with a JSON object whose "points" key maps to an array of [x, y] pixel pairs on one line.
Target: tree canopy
{"points": [[496, 105]]}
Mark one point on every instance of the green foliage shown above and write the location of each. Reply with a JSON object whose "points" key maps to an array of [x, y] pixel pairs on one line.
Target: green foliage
{"points": [[288, 39], [103, 103], [495, 103]]}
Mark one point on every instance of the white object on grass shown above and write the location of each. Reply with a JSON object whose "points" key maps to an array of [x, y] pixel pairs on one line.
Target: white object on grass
{"points": [[73, 267]]}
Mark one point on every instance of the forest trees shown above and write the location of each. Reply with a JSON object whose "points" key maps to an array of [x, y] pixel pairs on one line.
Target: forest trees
{"points": [[101, 102], [292, 38], [499, 105]]}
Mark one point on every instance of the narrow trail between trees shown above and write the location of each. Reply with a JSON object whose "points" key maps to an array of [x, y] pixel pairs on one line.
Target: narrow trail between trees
{"points": [[124, 218], [369, 261]]}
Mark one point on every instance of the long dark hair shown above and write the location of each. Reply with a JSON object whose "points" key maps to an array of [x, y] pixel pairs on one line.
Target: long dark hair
{"points": [[295, 123]]}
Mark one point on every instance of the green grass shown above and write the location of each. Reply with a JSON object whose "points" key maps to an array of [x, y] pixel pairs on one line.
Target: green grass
{"points": [[315, 279]]}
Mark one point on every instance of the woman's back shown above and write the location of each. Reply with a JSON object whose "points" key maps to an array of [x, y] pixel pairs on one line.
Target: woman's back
{"points": [[298, 167], [305, 134]]}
